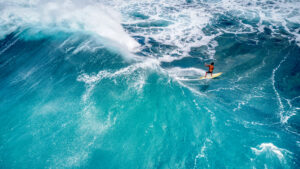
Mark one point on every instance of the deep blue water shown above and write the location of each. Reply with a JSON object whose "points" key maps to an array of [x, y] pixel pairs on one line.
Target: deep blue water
{"points": [[115, 84]]}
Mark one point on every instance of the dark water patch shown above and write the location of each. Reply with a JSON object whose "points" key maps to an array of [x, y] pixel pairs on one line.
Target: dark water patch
{"points": [[259, 113], [231, 53], [209, 30], [288, 75], [247, 50], [199, 52], [172, 9], [267, 31], [283, 32], [293, 26], [7, 42], [184, 62], [250, 21], [140, 40], [156, 48], [146, 26], [99, 60], [204, 87], [294, 123], [134, 28], [225, 21], [139, 15], [156, 23]]}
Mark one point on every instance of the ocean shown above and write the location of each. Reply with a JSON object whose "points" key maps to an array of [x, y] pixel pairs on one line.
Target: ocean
{"points": [[115, 84]]}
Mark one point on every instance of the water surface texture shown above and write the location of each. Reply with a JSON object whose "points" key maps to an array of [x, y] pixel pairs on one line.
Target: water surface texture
{"points": [[114, 84]]}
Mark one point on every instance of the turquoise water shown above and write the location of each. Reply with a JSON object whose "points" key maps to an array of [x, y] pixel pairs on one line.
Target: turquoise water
{"points": [[114, 84]]}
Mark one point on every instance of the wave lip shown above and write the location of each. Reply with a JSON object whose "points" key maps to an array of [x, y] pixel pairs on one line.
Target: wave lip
{"points": [[68, 17]]}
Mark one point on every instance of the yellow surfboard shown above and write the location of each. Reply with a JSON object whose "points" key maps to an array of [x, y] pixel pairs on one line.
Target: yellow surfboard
{"points": [[211, 77]]}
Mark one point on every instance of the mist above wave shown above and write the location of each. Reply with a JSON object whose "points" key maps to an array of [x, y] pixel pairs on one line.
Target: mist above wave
{"points": [[47, 18]]}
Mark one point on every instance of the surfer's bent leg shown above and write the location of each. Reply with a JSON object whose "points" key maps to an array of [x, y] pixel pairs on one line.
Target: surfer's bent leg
{"points": [[208, 72]]}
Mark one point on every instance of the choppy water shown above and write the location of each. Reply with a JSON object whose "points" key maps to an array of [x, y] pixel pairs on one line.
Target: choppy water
{"points": [[113, 84]]}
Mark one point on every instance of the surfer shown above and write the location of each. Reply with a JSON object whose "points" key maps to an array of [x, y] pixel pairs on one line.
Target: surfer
{"points": [[210, 69]]}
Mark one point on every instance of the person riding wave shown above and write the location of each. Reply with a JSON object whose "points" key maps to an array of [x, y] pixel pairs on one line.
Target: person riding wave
{"points": [[210, 69]]}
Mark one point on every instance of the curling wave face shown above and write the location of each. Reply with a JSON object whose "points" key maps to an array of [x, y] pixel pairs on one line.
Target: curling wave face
{"points": [[115, 84]]}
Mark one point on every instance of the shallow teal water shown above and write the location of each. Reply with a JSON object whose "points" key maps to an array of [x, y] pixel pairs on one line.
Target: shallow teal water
{"points": [[82, 98]]}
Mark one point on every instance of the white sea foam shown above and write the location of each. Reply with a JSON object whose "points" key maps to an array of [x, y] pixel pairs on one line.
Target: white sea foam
{"points": [[269, 148], [181, 24], [186, 21]]}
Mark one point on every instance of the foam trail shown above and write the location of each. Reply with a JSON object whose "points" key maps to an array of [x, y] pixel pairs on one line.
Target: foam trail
{"points": [[184, 73], [283, 118]]}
